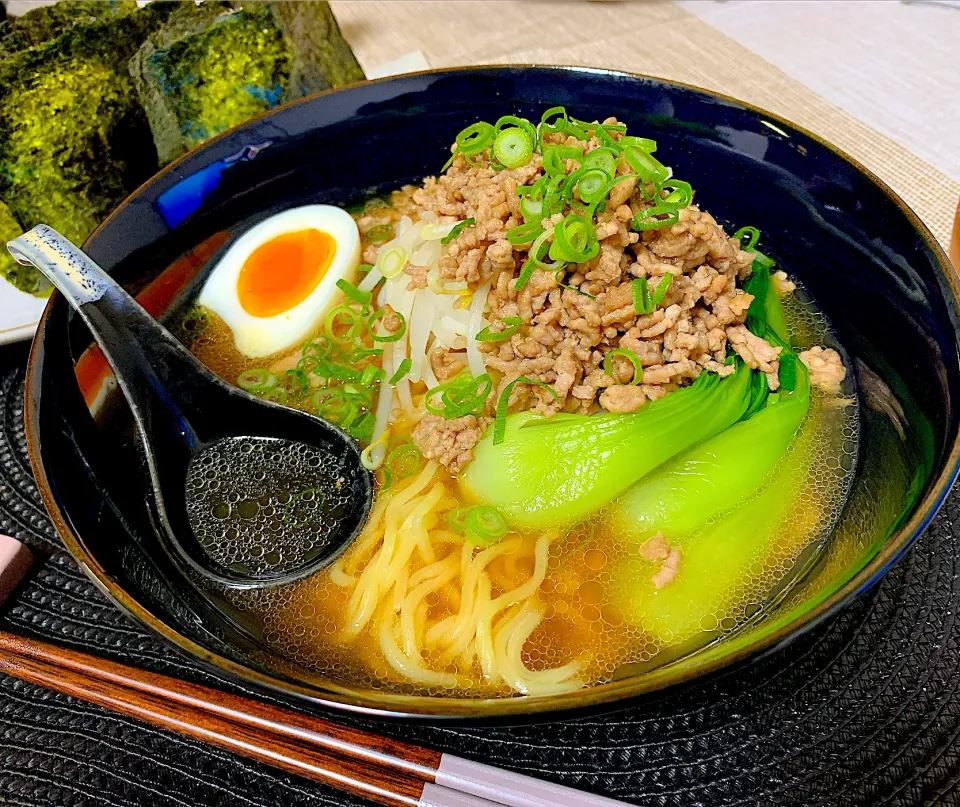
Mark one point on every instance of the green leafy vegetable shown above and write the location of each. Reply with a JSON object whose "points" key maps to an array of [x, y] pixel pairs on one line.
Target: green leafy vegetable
{"points": [[685, 493], [715, 565], [558, 470]]}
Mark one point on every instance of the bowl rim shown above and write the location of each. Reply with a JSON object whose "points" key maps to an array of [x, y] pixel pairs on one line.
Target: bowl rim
{"points": [[604, 696]]}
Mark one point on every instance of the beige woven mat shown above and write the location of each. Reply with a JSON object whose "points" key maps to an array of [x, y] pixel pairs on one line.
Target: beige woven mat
{"points": [[647, 36]]}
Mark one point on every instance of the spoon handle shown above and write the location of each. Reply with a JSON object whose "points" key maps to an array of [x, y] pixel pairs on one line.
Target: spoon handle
{"points": [[147, 360], [73, 272]]}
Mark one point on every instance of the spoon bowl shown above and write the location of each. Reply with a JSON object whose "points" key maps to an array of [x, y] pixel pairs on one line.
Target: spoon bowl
{"points": [[245, 492]]}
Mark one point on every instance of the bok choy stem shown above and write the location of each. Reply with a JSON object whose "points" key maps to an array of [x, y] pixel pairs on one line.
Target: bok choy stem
{"points": [[558, 470]]}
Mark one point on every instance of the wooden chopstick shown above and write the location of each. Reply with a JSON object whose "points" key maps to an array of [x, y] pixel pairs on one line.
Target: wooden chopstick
{"points": [[383, 770]]}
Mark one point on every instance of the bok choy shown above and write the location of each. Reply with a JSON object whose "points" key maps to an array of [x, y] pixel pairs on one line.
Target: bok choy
{"points": [[558, 470], [711, 479], [716, 567]]}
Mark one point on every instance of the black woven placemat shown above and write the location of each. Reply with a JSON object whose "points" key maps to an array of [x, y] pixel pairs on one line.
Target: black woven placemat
{"points": [[864, 710]]}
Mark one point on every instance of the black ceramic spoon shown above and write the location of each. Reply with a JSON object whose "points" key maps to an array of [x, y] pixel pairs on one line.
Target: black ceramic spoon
{"points": [[245, 492]]}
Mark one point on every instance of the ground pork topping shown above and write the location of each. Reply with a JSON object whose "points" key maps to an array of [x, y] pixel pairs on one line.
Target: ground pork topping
{"points": [[566, 315], [449, 442], [825, 367], [757, 353], [668, 569], [655, 548]]}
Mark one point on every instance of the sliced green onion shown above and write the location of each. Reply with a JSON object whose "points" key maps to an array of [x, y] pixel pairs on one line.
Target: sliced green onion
{"points": [[352, 321], [593, 185], [513, 148], [353, 292], [308, 364], [553, 165], [317, 348], [613, 127], [275, 394], [296, 381], [603, 135], [751, 234], [762, 259], [472, 140], [531, 210], [642, 143], [360, 353], [647, 166], [390, 262], [552, 196], [681, 194], [379, 234], [632, 357], [644, 220], [371, 375], [525, 274], [539, 250], [404, 461], [256, 380], [362, 429], [459, 397], [534, 191], [662, 287], [389, 337], [562, 285], [603, 158], [500, 421], [535, 261], [513, 325], [521, 123], [554, 110], [402, 370], [640, 289], [364, 269], [574, 240], [456, 230], [562, 124], [524, 233], [484, 525]]}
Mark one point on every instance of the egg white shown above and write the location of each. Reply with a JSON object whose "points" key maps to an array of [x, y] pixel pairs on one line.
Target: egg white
{"points": [[262, 336]]}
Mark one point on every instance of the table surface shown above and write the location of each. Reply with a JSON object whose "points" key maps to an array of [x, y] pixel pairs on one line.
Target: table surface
{"points": [[891, 64]]}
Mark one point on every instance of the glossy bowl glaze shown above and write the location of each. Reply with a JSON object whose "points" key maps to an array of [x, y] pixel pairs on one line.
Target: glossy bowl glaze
{"points": [[865, 257]]}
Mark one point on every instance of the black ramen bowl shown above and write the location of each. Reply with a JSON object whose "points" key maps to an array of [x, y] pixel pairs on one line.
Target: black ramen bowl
{"points": [[870, 264]]}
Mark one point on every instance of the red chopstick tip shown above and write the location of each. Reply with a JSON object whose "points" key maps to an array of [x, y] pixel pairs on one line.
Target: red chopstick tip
{"points": [[15, 561]]}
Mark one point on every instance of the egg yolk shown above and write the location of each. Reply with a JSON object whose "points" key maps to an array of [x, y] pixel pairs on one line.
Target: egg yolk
{"points": [[282, 272]]}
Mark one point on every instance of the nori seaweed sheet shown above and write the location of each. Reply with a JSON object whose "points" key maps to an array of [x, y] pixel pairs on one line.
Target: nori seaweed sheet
{"points": [[91, 91], [214, 66], [74, 140]]}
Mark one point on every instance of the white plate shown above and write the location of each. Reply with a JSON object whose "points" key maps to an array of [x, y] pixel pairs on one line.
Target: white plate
{"points": [[19, 313]]}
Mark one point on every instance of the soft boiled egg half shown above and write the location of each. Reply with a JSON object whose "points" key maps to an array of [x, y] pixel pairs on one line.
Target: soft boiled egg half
{"points": [[274, 285]]}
